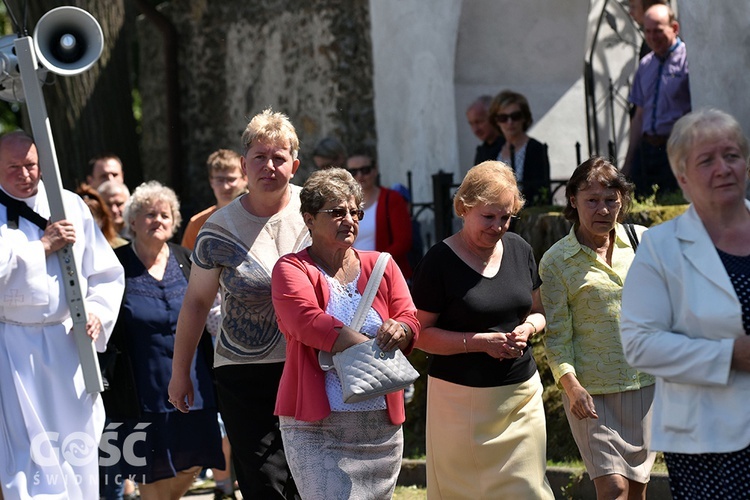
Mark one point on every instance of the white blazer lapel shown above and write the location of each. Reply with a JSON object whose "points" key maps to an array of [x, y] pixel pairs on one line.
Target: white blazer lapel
{"points": [[700, 251]]}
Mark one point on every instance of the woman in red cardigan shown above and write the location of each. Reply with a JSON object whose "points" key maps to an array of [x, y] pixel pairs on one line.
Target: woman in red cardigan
{"points": [[336, 449], [387, 225]]}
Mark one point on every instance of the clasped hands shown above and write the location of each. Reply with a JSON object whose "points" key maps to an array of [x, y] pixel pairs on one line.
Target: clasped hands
{"points": [[507, 345]]}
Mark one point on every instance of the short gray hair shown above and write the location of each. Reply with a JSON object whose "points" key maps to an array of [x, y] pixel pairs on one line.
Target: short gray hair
{"points": [[109, 188], [329, 184], [702, 125], [146, 194]]}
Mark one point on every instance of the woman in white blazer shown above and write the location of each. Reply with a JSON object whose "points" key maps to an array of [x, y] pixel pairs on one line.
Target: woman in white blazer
{"points": [[686, 313]]}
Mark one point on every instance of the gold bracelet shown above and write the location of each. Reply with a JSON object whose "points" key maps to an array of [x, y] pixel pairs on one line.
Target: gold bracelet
{"points": [[466, 349], [532, 326]]}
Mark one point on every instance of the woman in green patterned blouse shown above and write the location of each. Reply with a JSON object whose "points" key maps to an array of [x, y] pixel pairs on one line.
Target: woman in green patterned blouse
{"points": [[608, 403]]}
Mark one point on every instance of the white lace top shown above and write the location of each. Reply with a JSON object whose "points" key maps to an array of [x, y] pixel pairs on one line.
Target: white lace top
{"points": [[342, 304]]}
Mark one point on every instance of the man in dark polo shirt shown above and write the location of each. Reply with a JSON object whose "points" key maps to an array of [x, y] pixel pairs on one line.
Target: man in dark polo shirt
{"points": [[661, 95]]}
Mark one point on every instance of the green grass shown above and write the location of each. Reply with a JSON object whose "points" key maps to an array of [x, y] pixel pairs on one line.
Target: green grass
{"points": [[568, 464], [410, 493]]}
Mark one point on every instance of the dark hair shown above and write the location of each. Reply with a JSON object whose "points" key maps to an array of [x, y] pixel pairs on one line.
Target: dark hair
{"points": [[647, 4], [101, 157], [332, 150], [597, 169], [507, 98], [99, 210], [367, 152]]}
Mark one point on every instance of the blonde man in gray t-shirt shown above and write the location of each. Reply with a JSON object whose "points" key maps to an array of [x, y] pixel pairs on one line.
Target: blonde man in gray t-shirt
{"points": [[234, 253]]}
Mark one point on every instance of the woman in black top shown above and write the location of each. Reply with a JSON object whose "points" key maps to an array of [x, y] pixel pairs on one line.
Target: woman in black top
{"points": [[477, 295], [510, 114]]}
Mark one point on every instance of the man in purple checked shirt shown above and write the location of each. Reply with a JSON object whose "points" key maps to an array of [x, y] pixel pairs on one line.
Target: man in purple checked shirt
{"points": [[661, 95]]}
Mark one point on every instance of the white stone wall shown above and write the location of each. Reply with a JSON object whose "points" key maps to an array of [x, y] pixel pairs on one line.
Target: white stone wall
{"points": [[414, 50], [430, 64], [717, 35], [507, 44]]}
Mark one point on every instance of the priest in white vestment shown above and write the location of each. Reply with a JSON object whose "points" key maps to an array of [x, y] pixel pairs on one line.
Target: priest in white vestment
{"points": [[50, 426]]}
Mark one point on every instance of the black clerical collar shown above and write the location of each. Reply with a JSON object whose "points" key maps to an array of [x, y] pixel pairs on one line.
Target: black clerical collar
{"points": [[17, 208]]}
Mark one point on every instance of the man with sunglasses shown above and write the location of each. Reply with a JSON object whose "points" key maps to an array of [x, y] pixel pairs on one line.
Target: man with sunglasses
{"points": [[478, 116], [386, 226]]}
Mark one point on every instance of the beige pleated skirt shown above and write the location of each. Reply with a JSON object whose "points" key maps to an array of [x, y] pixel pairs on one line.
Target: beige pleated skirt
{"points": [[615, 443], [486, 443], [347, 455]]}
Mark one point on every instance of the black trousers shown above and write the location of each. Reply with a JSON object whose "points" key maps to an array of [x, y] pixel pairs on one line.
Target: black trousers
{"points": [[247, 397], [653, 169]]}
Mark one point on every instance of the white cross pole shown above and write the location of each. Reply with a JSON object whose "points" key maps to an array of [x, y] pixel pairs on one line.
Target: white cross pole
{"points": [[27, 63]]}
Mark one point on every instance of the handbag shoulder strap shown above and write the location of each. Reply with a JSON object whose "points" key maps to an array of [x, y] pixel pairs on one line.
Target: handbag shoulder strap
{"points": [[370, 291], [632, 236]]}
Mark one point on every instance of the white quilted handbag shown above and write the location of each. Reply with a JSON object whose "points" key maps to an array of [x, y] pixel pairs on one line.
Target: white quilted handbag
{"points": [[364, 369]]}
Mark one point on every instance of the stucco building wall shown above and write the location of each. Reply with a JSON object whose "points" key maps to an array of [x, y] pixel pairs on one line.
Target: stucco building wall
{"points": [[414, 61], [717, 35]]}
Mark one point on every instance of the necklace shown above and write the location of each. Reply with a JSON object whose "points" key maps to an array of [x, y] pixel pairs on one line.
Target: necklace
{"points": [[327, 270], [484, 261]]}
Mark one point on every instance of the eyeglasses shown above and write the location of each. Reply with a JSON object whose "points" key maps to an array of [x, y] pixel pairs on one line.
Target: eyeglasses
{"points": [[219, 179], [515, 116], [361, 170], [340, 213]]}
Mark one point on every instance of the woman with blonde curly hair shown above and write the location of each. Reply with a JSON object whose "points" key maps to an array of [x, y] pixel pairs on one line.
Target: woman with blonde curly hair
{"points": [[175, 446]]}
